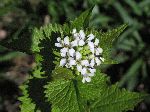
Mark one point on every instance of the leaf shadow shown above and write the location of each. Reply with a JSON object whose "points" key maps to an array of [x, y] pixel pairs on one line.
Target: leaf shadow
{"points": [[48, 45], [36, 85], [36, 93]]}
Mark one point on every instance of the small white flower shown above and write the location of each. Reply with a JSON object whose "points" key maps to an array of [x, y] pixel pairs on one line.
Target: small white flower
{"points": [[63, 62], [79, 68], [91, 37], [58, 39], [92, 63], [74, 43], [86, 79], [92, 70], [71, 52], [63, 52], [84, 71], [99, 51], [72, 62], [74, 31], [78, 55], [76, 36], [96, 42], [82, 34], [92, 49], [85, 63], [58, 45], [66, 40], [98, 62], [91, 44], [81, 42]]}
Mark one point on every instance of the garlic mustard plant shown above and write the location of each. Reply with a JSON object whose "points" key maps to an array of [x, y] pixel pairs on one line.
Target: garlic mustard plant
{"points": [[80, 52], [63, 67]]}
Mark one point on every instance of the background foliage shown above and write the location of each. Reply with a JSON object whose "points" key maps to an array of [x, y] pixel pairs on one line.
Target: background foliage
{"points": [[19, 17]]}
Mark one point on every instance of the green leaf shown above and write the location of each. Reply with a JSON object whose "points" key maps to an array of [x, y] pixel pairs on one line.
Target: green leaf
{"points": [[43, 33], [113, 99], [36, 37], [90, 91], [55, 109], [106, 42], [33, 99], [43, 44], [38, 72], [105, 98], [96, 96], [60, 72], [83, 20], [26, 103], [62, 94]]}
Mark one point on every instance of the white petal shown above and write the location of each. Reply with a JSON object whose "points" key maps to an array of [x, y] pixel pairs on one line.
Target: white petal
{"points": [[79, 68], [82, 34], [66, 40], [58, 39], [92, 50], [92, 70], [102, 59], [74, 43], [58, 45], [74, 31], [100, 50], [91, 44], [96, 42], [71, 52], [62, 62], [81, 42], [91, 74], [63, 51], [98, 62], [63, 54], [92, 63], [91, 37], [88, 79], [84, 71], [72, 62], [78, 55], [85, 63], [83, 80], [97, 53], [76, 36]]}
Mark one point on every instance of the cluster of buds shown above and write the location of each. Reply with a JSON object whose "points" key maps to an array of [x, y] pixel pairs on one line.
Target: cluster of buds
{"points": [[80, 52]]}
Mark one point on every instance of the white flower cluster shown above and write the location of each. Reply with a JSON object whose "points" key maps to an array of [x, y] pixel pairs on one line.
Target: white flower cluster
{"points": [[80, 52]]}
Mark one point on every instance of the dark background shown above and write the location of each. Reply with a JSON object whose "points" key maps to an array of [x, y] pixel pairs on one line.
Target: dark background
{"points": [[132, 49]]}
